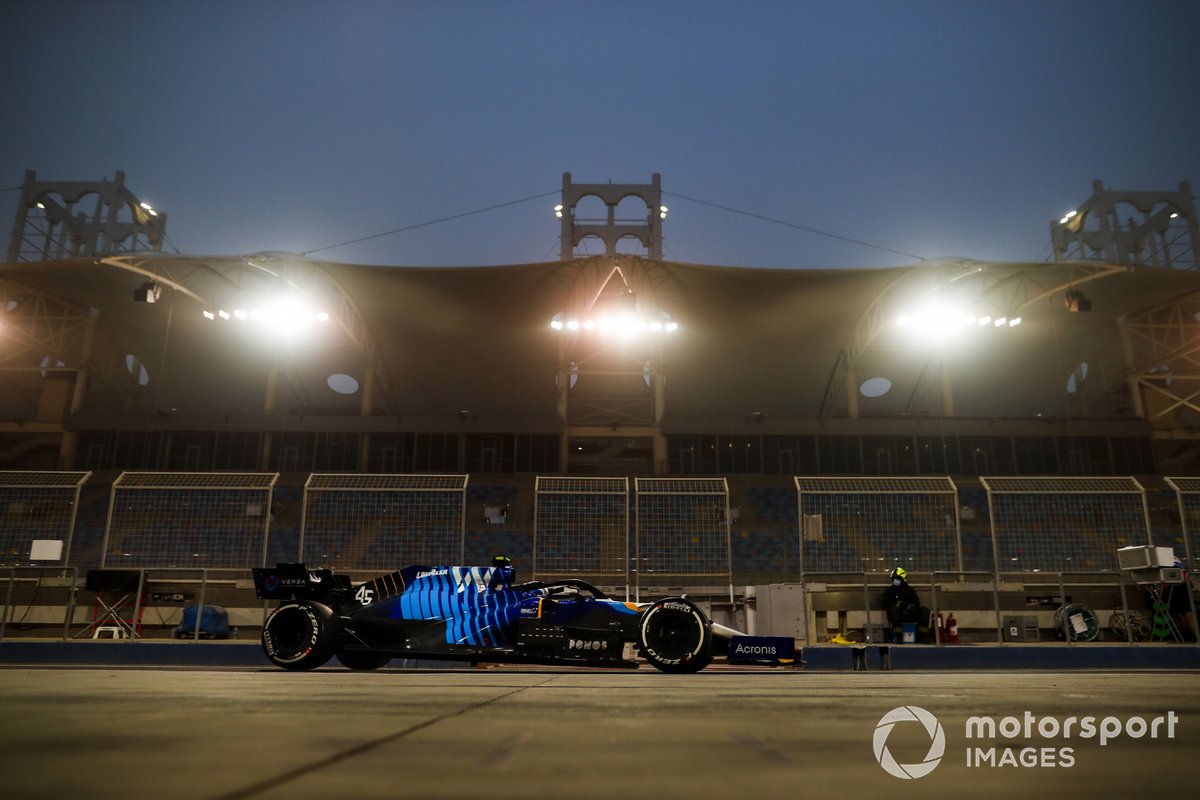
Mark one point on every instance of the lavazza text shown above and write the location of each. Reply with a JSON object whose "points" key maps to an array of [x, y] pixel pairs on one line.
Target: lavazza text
{"points": [[1105, 730]]}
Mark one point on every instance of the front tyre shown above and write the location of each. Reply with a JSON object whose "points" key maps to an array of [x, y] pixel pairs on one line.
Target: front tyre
{"points": [[300, 635], [362, 662], [675, 636]]}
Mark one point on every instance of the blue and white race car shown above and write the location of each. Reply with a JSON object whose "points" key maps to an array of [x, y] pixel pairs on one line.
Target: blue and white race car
{"points": [[477, 614]]}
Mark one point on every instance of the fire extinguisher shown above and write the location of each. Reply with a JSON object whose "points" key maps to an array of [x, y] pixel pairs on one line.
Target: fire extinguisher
{"points": [[951, 629]]}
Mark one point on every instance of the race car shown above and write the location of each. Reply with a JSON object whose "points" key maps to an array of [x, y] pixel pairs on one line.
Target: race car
{"points": [[476, 614]]}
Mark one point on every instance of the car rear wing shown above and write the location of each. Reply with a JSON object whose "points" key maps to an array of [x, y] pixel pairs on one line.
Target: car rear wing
{"points": [[296, 581]]}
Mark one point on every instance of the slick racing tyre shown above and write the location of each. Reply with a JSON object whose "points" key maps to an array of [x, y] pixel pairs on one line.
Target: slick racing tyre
{"points": [[675, 636], [359, 661], [300, 634]]}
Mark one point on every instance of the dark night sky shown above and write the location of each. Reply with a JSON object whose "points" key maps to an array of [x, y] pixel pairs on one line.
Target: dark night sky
{"points": [[937, 128]]}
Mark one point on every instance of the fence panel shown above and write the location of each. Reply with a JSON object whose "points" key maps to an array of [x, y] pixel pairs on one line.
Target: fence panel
{"points": [[38, 506], [682, 529], [1187, 493], [581, 528], [196, 520], [383, 521], [873, 524], [1049, 524]]}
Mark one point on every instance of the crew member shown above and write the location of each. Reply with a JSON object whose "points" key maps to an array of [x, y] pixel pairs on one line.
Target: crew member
{"points": [[902, 605]]}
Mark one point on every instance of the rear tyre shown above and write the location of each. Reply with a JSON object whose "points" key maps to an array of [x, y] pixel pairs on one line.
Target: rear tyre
{"points": [[300, 635], [363, 662], [675, 636]]}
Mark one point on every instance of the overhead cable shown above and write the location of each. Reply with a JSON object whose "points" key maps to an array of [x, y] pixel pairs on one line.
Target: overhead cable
{"points": [[794, 225], [430, 222]]}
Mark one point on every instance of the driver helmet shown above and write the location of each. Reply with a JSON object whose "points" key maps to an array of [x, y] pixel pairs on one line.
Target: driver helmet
{"points": [[899, 575], [503, 572]]}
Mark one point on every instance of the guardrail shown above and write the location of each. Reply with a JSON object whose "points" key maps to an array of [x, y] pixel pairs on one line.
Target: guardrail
{"points": [[933, 601], [146, 577], [73, 572], [1062, 585], [936, 585]]}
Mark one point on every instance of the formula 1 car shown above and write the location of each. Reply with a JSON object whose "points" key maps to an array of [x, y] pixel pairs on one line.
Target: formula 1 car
{"points": [[473, 614]]}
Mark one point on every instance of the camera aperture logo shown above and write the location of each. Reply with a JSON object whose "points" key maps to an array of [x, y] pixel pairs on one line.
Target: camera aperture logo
{"points": [[1011, 741], [937, 742]]}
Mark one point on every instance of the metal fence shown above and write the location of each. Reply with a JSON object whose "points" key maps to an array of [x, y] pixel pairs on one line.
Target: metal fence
{"points": [[682, 530], [195, 520], [581, 527], [873, 524], [38, 507], [1064, 524], [1187, 494], [385, 521]]}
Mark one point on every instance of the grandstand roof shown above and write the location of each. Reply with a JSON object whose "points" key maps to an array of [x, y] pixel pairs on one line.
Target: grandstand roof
{"points": [[777, 343]]}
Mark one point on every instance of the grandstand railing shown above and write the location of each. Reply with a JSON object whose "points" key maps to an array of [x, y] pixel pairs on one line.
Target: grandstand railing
{"points": [[188, 519], [581, 527], [37, 505], [383, 521]]}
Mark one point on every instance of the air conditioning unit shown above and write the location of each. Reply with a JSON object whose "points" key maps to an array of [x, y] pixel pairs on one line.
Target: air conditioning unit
{"points": [[1145, 557]]}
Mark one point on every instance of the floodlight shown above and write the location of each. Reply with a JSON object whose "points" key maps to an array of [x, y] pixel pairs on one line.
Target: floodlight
{"points": [[933, 319], [1067, 217], [662, 212], [1175, 215], [624, 322], [240, 314], [984, 320], [1014, 322], [322, 316], [1000, 321], [558, 211], [222, 314], [209, 315]]}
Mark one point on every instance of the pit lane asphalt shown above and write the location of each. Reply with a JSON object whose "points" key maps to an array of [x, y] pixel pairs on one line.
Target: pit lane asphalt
{"points": [[511, 732]]}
